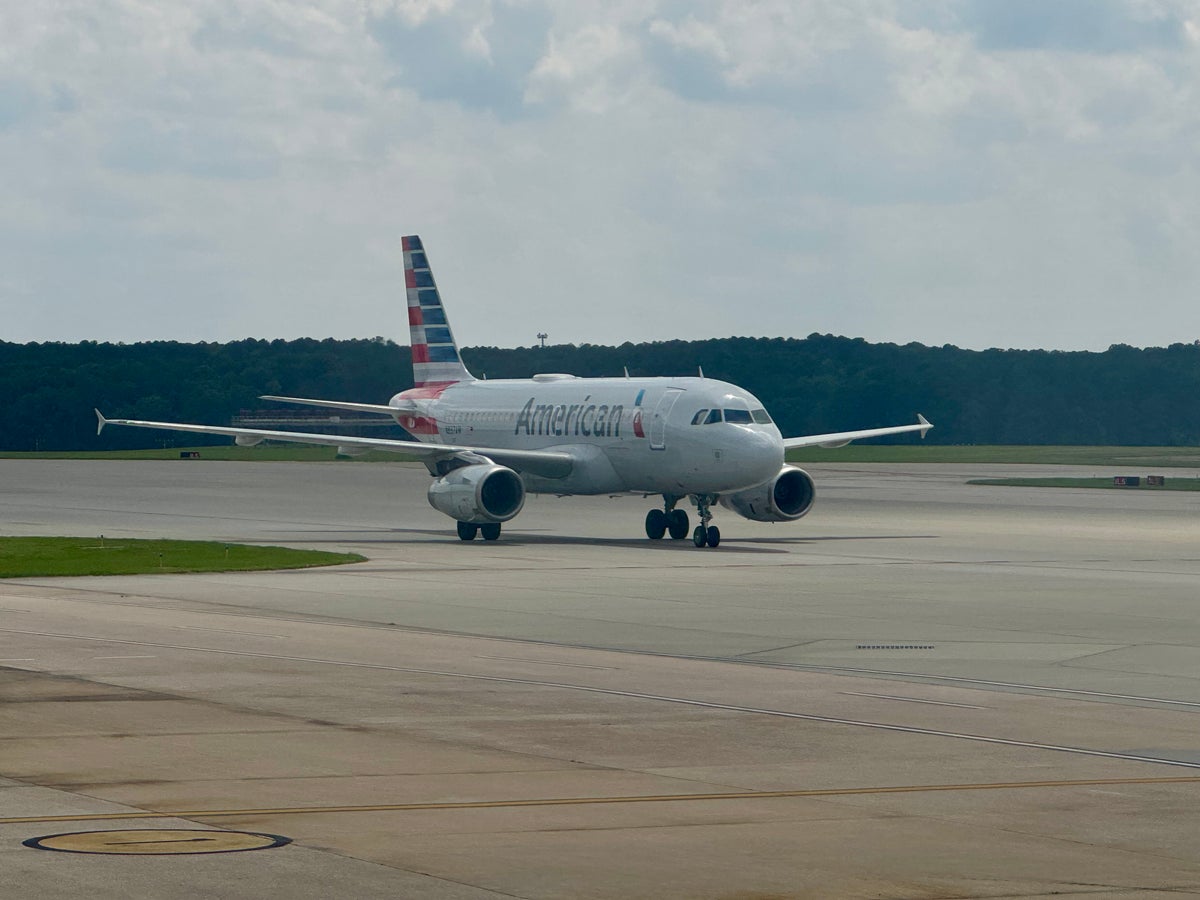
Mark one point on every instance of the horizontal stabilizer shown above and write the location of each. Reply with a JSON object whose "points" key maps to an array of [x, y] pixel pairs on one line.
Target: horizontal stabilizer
{"points": [[377, 408]]}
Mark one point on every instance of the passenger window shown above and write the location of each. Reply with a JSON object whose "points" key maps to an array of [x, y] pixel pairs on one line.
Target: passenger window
{"points": [[760, 416], [713, 416], [699, 417], [738, 416]]}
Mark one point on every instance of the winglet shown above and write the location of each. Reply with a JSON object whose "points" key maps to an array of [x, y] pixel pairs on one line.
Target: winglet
{"points": [[100, 421], [925, 422]]}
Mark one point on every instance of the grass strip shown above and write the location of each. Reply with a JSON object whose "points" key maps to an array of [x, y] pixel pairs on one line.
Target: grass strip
{"points": [[29, 557], [1106, 484]]}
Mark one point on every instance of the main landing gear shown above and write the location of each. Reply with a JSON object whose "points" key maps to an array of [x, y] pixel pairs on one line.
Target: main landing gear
{"points": [[667, 520], [467, 531], [675, 521]]}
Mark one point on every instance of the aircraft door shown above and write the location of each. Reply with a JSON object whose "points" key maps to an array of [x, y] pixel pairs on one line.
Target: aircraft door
{"points": [[658, 423]]}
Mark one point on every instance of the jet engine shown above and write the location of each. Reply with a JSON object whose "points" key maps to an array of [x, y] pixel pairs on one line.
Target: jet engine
{"points": [[479, 494], [784, 498]]}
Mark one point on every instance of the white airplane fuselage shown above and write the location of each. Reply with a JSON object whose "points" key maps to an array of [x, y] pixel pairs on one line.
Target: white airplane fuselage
{"points": [[627, 434]]}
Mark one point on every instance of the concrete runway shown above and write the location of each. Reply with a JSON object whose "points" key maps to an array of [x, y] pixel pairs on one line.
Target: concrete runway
{"points": [[923, 689]]}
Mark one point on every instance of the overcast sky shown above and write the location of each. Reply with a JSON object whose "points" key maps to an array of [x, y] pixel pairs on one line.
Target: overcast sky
{"points": [[985, 173]]}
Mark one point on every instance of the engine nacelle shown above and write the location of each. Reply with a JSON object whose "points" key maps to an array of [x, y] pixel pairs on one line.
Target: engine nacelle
{"points": [[784, 498], [478, 494]]}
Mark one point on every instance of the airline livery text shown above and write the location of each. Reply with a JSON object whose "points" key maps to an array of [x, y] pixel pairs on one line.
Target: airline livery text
{"points": [[570, 419]]}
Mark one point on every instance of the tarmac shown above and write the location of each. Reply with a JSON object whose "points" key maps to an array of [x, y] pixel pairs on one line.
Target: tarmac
{"points": [[923, 689]]}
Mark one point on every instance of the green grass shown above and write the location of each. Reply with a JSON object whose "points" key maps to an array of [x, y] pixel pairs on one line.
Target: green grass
{"points": [[1038, 455], [27, 557], [1172, 484]]}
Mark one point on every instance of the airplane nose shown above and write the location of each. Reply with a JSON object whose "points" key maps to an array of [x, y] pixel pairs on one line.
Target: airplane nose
{"points": [[762, 453]]}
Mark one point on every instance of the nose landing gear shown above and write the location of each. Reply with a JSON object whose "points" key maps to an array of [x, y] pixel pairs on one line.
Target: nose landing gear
{"points": [[705, 535]]}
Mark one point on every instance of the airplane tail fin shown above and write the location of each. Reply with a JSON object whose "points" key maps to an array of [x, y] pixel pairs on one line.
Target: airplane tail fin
{"points": [[436, 361]]}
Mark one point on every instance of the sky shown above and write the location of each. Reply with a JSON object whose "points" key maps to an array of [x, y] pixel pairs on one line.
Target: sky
{"points": [[983, 173]]}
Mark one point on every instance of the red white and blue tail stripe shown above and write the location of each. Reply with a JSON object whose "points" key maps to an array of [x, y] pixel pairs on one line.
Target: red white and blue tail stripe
{"points": [[434, 352]]}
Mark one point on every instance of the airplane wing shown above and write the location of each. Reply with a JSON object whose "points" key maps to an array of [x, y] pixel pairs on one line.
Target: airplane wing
{"points": [[341, 404], [547, 463], [842, 438]]}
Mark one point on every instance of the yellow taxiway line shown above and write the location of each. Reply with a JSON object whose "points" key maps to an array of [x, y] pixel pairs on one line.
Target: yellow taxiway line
{"points": [[583, 801]]}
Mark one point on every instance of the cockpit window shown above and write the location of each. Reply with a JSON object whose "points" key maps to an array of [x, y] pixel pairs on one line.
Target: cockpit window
{"points": [[713, 416], [698, 418], [737, 416], [760, 416]]}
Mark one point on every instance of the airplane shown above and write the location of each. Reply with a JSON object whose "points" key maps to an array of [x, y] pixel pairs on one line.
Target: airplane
{"points": [[489, 443]]}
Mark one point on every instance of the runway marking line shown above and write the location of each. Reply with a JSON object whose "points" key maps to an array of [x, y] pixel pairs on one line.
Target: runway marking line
{"points": [[587, 801], [546, 662], [911, 700]]}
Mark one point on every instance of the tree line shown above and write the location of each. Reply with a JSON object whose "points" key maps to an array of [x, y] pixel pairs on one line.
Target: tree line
{"points": [[1121, 396]]}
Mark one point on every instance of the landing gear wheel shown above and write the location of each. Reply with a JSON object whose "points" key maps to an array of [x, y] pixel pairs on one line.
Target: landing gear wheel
{"points": [[705, 535], [490, 531], [467, 530], [656, 524], [677, 524]]}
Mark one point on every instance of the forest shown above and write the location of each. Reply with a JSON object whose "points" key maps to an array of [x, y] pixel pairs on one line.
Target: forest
{"points": [[1121, 396]]}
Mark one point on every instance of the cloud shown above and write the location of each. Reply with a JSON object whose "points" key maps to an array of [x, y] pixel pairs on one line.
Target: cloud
{"points": [[605, 170], [808, 58], [18, 102], [1084, 26], [476, 55]]}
